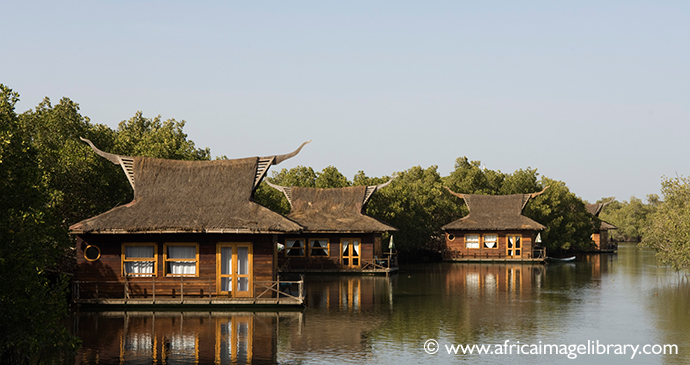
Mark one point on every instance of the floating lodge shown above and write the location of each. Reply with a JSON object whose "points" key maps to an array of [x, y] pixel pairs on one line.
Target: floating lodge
{"points": [[194, 236], [337, 236], [602, 241], [494, 230]]}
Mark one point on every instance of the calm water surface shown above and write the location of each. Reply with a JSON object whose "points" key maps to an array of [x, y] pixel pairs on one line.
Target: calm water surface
{"points": [[616, 299]]}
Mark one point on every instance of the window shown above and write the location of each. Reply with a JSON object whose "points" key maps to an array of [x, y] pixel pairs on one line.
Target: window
{"points": [[294, 248], [490, 241], [318, 247], [139, 259], [92, 253], [472, 241], [450, 236], [181, 259]]}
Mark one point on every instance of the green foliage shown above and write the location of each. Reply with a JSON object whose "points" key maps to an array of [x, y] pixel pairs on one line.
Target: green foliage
{"points": [[362, 179], [469, 178], [32, 304], [330, 177], [629, 216], [521, 182], [80, 183], [296, 176], [141, 136], [668, 228]]}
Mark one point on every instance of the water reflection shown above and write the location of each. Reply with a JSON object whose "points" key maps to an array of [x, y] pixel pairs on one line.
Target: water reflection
{"points": [[178, 337]]}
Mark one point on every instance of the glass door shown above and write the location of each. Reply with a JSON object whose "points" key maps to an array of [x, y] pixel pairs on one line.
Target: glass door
{"points": [[350, 249], [514, 247], [234, 269]]}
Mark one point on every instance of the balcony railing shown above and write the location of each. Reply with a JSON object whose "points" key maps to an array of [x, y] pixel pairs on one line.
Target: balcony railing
{"points": [[180, 289], [536, 254]]}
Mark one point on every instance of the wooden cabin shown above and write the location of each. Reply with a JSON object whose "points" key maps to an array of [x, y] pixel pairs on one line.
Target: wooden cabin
{"points": [[602, 241], [494, 230], [192, 235], [336, 235]]}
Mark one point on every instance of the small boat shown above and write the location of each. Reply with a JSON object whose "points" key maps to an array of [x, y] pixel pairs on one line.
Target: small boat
{"points": [[557, 259]]}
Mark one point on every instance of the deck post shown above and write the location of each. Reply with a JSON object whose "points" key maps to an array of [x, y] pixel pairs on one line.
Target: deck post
{"points": [[154, 289], [301, 287]]}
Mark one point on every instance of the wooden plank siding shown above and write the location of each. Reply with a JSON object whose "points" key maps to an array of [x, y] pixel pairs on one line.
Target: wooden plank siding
{"points": [[456, 247], [107, 270], [332, 262]]}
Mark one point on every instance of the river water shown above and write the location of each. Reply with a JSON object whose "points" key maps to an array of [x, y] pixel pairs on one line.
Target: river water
{"points": [[601, 309]]}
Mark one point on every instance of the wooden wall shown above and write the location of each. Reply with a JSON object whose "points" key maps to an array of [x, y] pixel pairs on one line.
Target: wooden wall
{"points": [[109, 266], [457, 245], [333, 261]]}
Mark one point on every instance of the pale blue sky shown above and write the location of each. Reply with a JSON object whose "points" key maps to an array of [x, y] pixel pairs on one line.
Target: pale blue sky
{"points": [[593, 93]]}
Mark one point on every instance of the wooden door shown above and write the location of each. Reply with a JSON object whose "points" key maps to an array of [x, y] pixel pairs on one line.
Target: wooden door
{"points": [[234, 269], [514, 246], [350, 248]]}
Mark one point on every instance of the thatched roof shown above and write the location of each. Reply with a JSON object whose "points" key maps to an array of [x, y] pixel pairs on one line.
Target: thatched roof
{"points": [[495, 212], [333, 210], [191, 196], [595, 209]]}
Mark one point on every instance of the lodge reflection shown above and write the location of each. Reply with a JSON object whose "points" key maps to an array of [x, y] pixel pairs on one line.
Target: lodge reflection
{"points": [[487, 280], [178, 337], [341, 310], [348, 293]]}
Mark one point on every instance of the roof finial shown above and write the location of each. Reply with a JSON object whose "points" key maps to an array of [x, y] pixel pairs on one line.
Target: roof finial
{"points": [[109, 156], [281, 158], [461, 196], [534, 195]]}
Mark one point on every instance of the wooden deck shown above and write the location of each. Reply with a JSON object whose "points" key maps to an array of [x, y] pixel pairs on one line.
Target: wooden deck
{"points": [[383, 266], [218, 302], [538, 255], [383, 271], [476, 259]]}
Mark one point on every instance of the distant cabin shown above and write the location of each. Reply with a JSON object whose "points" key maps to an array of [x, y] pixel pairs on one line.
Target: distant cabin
{"points": [[602, 241], [494, 230], [336, 235], [192, 235]]}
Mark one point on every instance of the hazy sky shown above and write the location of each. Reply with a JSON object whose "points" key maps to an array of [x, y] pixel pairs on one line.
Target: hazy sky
{"points": [[593, 93]]}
